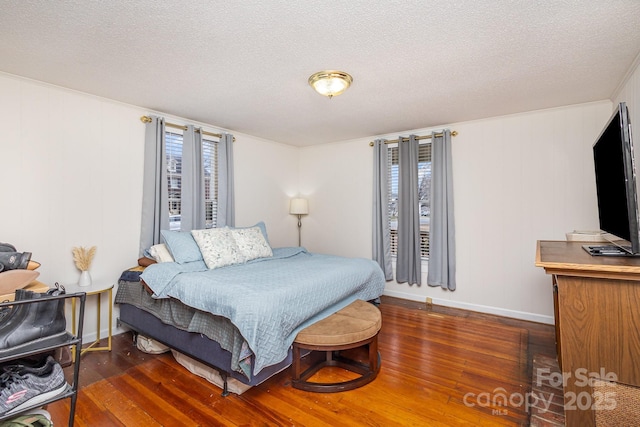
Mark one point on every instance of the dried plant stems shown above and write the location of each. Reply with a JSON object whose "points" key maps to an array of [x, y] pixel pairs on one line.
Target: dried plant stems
{"points": [[83, 257]]}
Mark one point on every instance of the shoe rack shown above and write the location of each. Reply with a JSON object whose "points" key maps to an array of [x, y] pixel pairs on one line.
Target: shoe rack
{"points": [[68, 340]]}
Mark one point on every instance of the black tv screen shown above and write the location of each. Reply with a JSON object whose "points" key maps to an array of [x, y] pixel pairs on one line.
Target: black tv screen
{"points": [[616, 182]]}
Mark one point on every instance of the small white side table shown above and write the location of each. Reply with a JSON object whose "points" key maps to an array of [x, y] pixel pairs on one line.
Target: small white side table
{"points": [[97, 289]]}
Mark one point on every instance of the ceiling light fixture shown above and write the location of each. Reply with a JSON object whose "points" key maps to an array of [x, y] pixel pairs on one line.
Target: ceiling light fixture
{"points": [[330, 83]]}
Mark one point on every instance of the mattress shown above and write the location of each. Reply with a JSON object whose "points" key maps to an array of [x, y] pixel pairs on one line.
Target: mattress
{"points": [[172, 312], [195, 345]]}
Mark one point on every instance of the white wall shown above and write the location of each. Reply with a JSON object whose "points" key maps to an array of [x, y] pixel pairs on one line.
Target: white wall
{"points": [[629, 92], [72, 176], [266, 177], [337, 180], [517, 179]]}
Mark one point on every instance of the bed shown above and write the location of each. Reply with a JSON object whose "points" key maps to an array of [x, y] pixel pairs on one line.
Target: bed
{"points": [[241, 318]]}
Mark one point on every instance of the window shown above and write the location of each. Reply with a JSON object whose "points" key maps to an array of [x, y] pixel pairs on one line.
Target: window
{"points": [[173, 143], [424, 196], [210, 160]]}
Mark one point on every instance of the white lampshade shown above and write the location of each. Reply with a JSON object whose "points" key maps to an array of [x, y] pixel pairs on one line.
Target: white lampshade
{"points": [[299, 206]]}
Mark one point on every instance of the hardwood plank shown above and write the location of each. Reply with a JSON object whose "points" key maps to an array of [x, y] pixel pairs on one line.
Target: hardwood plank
{"points": [[183, 391], [145, 397], [118, 409], [437, 365]]}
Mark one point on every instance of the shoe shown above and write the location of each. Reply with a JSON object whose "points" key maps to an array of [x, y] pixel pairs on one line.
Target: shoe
{"points": [[9, 311], [4, 311], [34, 325], [33, 265], [7, 247], [34, 418], [11, 280], [15, 260], [25, 365], [19, 391], [28, 366]]}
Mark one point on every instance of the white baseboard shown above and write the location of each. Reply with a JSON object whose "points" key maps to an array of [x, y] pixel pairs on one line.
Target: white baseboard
{"points": [[522, 315], [90, 337]]}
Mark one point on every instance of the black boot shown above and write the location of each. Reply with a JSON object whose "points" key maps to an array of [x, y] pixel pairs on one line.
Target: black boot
{"points": [[15, 260], [34, 325], [7, 312], [7, 247], [4, 311]]}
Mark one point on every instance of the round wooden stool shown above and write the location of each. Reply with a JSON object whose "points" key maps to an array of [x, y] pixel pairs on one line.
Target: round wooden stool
{"points": [[354, 326]]}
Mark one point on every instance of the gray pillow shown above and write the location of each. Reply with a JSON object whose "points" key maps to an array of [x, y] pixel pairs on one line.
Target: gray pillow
{"points": [[182, 246]]}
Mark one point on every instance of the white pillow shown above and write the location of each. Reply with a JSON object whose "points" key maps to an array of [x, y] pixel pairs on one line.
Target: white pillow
{"points": [[251, 243], [160, 253], [218, 247]]}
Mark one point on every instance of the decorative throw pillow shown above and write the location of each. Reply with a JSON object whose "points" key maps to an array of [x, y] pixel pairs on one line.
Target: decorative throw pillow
{"points": [[218, 247], [182, 246], [251, 243], [261, 225], [160, 253]]}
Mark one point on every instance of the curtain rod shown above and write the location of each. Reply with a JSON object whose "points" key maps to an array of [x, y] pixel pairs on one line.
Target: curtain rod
{"points": [[147, 119], [393, 141]]}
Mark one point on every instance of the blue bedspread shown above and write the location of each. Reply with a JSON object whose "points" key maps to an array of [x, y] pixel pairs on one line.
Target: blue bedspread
{"points": [[270, 299]]}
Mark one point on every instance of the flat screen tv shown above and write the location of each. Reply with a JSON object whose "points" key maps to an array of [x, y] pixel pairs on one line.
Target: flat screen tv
{"points": [[616, 187]]}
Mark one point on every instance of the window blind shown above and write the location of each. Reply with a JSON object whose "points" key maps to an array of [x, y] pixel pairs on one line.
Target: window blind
{"points": [[173, 144], [173, 147], [424, 196], [210, 159]]}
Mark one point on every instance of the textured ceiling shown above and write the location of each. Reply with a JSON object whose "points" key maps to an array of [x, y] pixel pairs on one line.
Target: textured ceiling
{"points": [[244, 65]]}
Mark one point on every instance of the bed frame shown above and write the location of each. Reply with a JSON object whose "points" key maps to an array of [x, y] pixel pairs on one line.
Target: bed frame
{"points": [[194, 345]]}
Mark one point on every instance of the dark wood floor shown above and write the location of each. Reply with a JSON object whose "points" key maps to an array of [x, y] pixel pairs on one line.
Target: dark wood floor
{"points": [[440, 366]]}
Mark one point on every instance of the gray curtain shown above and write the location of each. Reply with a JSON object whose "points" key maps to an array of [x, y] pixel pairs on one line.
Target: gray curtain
{"points": [[226, 199], [442, 253], [408, 261], [155, 195], [381, 233], [192, 213]]}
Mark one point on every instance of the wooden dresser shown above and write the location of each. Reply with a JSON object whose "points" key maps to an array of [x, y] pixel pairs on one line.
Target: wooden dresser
{"points": [[597, 315]]}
